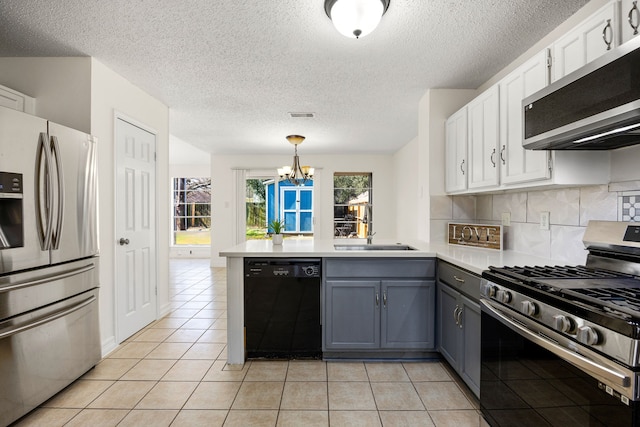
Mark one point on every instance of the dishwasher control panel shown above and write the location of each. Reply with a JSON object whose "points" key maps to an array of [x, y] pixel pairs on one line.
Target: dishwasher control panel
{"points": [[274, 267]]}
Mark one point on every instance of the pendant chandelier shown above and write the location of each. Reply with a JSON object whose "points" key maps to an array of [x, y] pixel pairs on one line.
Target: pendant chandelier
{"points": [[355, 18], [296, 174]]}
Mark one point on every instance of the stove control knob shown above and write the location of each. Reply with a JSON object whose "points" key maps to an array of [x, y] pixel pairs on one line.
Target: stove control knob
{"points": [[504, 296], [588, 335], [529, 308], [489, 290], [563, 323]]}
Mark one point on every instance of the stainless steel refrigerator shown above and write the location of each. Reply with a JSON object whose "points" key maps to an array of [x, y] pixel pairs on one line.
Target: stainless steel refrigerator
{"points": [[49, 331]]}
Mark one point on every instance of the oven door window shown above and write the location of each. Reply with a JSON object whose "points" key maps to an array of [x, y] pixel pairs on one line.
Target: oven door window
{"points": [[523, 384]]}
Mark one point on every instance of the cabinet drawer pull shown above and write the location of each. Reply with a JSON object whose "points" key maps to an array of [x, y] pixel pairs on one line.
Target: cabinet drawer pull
{"points": [[630, 17], [607, 40], [458, 279]]}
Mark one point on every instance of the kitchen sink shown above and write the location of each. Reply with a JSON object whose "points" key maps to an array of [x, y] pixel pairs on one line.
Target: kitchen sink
{"points": [[372, 247]]}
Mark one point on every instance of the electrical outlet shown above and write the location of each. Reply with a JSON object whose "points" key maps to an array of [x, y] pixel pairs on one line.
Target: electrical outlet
{"points": [[506, 219], [544, 220]]}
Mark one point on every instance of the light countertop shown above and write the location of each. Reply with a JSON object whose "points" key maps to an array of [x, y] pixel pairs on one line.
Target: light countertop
{"points": [[472, 259]]}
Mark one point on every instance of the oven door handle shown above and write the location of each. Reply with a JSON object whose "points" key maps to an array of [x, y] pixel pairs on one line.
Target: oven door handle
{"points": [[611, 375]]}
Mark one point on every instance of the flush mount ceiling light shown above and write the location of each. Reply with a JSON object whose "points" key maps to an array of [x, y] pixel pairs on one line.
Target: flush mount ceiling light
{"points": [[295, 173], [355, 18]]}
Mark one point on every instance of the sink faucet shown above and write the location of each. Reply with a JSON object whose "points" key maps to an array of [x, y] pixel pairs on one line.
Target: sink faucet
{"points": [[370, 238], [369, 233]]}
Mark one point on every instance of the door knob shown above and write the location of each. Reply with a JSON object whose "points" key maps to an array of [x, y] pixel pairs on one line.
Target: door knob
{"points": [[123, 241]]}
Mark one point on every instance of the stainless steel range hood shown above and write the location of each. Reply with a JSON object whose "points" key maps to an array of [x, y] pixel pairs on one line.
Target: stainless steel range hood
{"points": [[597, 107]]}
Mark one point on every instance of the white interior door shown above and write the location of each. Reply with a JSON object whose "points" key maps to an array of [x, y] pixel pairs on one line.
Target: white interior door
{"points": [[135, 228]]}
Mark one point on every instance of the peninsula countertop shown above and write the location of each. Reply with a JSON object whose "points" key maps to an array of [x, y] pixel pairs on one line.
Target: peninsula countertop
{"points": [[474, 260]]}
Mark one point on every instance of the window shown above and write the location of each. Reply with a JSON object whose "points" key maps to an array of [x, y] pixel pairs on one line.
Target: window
{"points": [[256, 207], [352, 204], [192, 211]]}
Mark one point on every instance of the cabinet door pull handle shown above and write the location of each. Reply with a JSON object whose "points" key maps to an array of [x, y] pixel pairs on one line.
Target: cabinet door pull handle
{"points": [[455, 314], [384, 299], [458, 279], [607, 40], [462, 167], [377, 300], [493, 162], [459, 322], [504, 147], [630, 17]]}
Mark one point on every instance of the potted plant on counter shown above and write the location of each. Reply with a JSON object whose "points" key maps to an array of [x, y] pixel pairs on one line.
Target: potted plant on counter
{"points": [[277, 227]]}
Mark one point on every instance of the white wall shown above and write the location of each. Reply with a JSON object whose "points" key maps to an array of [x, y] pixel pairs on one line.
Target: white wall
{"points": [[111, 93], [61, 86], [624, 164], [405, 165], [186, 170], [222, 188]]}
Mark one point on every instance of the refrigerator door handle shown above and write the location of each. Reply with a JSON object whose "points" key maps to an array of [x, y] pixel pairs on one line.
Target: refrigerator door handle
{"points": [[47, 279], [43, 213], [57, 231], [89, 199]]}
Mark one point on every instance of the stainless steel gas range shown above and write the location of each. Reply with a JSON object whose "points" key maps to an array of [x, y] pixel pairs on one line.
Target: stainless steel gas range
{"points": [[561, 345]]}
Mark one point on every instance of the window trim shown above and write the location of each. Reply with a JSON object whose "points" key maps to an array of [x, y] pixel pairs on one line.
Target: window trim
{"points": [[175, 217], [359, 221]]}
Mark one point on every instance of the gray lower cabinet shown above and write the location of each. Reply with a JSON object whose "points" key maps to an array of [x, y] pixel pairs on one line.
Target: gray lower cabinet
{"points": [[367, 314], [381, 313], [408, 314], [352, 314], [458, 320]]}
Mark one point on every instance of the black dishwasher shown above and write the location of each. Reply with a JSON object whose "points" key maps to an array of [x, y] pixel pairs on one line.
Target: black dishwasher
{"points": [[282, 308]]}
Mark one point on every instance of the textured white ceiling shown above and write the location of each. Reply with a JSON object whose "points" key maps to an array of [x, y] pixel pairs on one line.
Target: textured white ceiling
{"points": [[231, 70]]}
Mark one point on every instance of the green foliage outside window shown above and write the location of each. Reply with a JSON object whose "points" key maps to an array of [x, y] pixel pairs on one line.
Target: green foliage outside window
{"points": [[352, 204]]}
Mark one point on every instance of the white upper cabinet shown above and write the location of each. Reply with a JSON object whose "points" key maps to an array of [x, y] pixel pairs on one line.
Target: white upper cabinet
{"points": [[16, 100], [592, 38], [456, 152], [517, 164], [483, 140], [629, 19]]}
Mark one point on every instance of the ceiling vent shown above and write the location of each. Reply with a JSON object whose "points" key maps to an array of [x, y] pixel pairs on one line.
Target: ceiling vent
{"points": [[302, 115]]}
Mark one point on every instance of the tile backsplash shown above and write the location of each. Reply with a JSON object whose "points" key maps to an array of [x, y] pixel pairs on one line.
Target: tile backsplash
{"points": [[570, 210], [629, 206]]}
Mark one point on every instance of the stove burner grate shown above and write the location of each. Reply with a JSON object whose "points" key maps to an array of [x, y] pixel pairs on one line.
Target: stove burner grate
{"points": [[621, 299], [529, 274]]}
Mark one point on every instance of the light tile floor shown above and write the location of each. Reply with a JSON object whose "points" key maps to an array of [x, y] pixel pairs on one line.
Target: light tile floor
{"points": [[172, 373]]}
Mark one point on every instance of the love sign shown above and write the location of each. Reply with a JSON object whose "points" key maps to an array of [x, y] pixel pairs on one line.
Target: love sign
{"points": [[476, 235]]}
